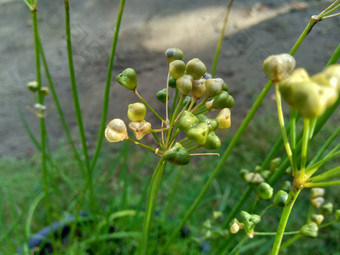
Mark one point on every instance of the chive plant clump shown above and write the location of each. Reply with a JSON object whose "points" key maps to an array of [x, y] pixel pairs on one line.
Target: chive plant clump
{"points": [[186, 126]]}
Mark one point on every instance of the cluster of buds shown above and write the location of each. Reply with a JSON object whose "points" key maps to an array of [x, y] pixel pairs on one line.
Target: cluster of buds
{"points": [[310, 96], [38, 109], [247, 222], [196, 93]]}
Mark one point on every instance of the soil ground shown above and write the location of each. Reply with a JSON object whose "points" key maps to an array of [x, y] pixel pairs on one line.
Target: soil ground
{"points": [[255, 30]]}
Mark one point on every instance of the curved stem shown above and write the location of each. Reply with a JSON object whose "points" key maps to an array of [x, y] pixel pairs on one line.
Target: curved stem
{"points": [[148, 106], [284, 219]]}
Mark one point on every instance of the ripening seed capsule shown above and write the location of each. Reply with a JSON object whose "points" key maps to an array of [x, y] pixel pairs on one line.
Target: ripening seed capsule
{"points": [[177, 69], [317, 192], [161, 96], [198, 88], [184, 84], [280, 198], [224, 118], [177, 155], [198, 133], [327, 208], [140, 128], [318, 218], [213, 141], [310, 230], [128, 78], [214, 86], [195, 68], [116, 131], [264, 191], [172, 54], [278, 67], [186, 121], [136, 112], [317, 202], [223, 100], [32, 86]]}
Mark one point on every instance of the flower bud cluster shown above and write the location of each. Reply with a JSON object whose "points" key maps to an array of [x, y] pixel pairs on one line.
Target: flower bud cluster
{"points": [[247, 222], [188, 114], [38, 109]]}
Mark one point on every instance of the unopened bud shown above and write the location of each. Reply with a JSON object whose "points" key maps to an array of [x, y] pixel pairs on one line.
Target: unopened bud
{"points": [[223, 100], [177, 155], [280, 198], [198, 88], [214, 86], [317, 192], [136, 112], [213, 142], [327, 208], [128, 78], [177, 69], [195, 68], [173, 54], [32, 86], [184, 84], [278, 67], [264, 191], [310, 230], [318, 218], [317, 202]]}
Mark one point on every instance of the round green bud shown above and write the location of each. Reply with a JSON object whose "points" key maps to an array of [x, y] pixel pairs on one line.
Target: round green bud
{"points": [[116, 131], [198, 133], [280, 198], [317, 202], [198, 88], [327, 208], [223, 100], [264, 191], [161, 95], [337, 215], [177, 155], [177, 69], [274, 163], [317, 192], [278, 67], [213, 141], [44, 91], [186, 121], [317, 218], [32, 86], [286, 186], [195, 68], [140, 128], [173, 54], [214, 86], [136, 112], [224, 118], [184, 84], [128, 78], [172, 82], [309, 230]]}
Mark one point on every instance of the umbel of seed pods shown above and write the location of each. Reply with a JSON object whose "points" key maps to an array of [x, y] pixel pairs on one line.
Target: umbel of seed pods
{"points": [[197, 94], [309, 95]]}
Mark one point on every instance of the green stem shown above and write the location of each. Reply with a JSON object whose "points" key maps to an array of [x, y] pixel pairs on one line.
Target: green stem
{"points": [[284, 219], [322, 184], [151, 203], [107, 85], [304, 149], [142, 145], [219, 44], [290, 241], [148, 106], [293, 117], [335, 56], [326, 175], [172, 122], [274, 233]]}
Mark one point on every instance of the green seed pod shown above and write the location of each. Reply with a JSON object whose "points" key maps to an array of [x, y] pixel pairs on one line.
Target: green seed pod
{"points": [[264, 191], [184, 84], [329, 77], [317, 192], [278, 67], [140, 128], [212, 123], [195, 68], [172, 82], [214, 86], [213, 141], [317, 202], [177, 155], [177, 69], [253, 178], [249, 220], [161, 96], [225, 87], [44, 91], [337, 215], [280, 198], [286, 186], [274, 163], [198, 133], [327, 208], [136, 112], [310, 230], [173, 54], [186, 121], [224, 118], [223, 100], [116, 131], [32, 86], [198, 88], [128, 78], [318, 218]]}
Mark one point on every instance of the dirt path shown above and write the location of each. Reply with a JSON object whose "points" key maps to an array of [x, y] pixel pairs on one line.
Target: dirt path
{"points": [[148, 28]]}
